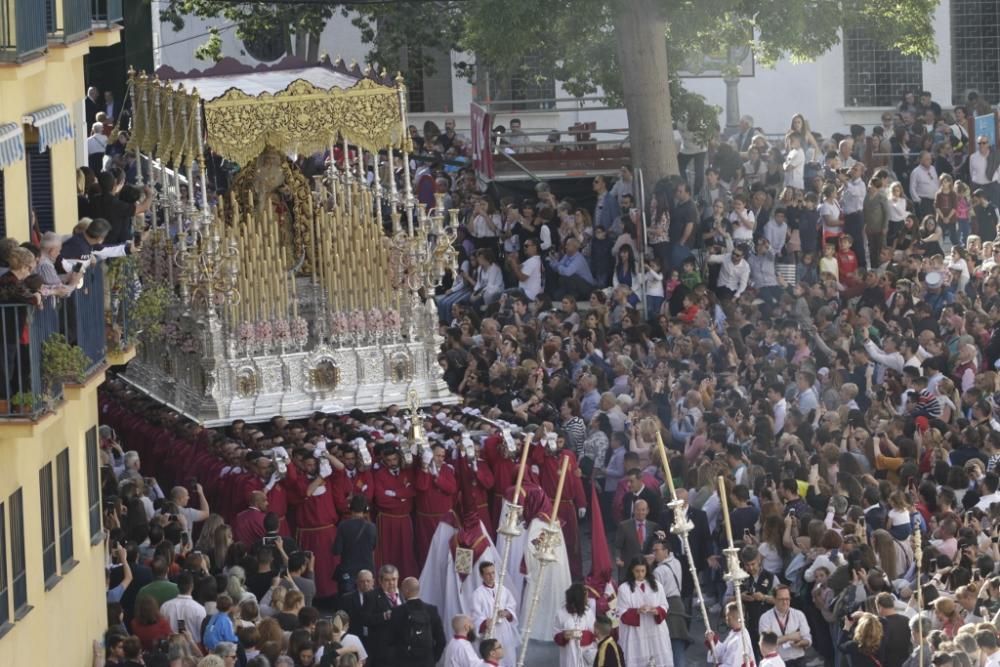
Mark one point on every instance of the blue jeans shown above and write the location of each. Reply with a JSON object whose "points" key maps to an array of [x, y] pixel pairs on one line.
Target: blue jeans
{"points": [[678, 253], [679, 647], [446, 301], [653, 304], [964, 229]]}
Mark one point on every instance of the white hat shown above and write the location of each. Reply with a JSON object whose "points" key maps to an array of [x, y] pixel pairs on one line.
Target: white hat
{"points": [[933, 279]]}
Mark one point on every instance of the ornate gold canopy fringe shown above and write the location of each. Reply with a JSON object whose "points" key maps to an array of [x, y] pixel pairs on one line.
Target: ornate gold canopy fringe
{"points": [[302, 118]]}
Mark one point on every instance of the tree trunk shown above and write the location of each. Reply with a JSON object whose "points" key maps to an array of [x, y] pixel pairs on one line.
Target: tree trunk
{"points": [[640, 31], [301, 42], [313, 48]]}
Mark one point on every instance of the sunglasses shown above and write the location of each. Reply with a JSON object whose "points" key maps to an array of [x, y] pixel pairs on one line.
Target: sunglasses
{"points": [[984, 143]]}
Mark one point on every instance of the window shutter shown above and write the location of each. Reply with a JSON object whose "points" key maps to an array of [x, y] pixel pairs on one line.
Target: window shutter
{"points": [[40, 188]]}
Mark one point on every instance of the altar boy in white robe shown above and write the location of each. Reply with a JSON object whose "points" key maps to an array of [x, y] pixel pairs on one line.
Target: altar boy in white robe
{"points": [[735, 650], [483, 599], [645, 638], [460, 651]]}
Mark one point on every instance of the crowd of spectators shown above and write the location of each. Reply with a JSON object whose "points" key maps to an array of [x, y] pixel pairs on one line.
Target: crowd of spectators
{"points": [[815, 319]]}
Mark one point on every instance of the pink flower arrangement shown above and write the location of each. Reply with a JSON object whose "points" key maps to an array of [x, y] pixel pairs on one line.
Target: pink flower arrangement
{"points": [[281, 330], [374, 319], [300, 330], [338, 323], [263, 333], [391, 320], [171, 334], [246, 332], [356, 321]]}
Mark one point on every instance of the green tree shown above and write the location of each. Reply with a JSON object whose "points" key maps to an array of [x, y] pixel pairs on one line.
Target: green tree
{"points": [[629, 50]]}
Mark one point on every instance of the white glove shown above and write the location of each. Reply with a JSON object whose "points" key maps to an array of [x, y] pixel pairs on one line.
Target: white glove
{"points": [[390, 493], [325, 469], [320, 451], [280, 451], [582, 512], [427, 456]]}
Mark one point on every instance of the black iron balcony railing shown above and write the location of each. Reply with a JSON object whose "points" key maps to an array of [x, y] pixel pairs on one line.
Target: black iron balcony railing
{"points": [[32, 374], [67, 20], [23, 31], [106, 12]]}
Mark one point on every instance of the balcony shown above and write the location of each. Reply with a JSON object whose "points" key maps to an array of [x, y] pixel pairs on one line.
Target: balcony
{"points": [[67, 21], [23, 29], [44, 348], [106, 13]]}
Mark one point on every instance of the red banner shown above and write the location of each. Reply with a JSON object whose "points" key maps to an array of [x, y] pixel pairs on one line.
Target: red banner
{"points": [[482, 149]]}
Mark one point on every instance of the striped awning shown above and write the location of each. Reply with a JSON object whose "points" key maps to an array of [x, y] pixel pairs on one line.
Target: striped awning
{"points": [[54, 124], [11, 144]]}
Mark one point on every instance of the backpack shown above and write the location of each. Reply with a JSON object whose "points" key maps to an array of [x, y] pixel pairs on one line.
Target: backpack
{"points": [[419, 639]]}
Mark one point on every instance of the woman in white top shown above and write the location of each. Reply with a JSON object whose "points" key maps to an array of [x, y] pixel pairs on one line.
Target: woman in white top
{"points": [[485, 224], [743, 221], [575, 628], [897, 209], [645, 639], [829, 213]]}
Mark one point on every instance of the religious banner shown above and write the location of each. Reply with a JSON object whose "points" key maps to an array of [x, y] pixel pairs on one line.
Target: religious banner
{"points": [[482, 149]]}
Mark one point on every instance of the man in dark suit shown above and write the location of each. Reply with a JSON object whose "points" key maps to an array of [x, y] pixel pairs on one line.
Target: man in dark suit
{"points": [[639, 491], [416, 630], [355, 602], [634, 537], [377, 612]]}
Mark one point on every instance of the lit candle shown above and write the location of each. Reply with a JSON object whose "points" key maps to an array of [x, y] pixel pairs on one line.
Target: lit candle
{"points": [[725, 509], [666, 465], [559, 488], [520, 472]]}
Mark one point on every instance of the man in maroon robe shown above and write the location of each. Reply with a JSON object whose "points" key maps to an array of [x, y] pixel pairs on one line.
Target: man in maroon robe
{"points": [[394, 494], [573, 499], [437, 492], [316, 524], [475, 482], [351, 481], [282, 493], [248, 527]]}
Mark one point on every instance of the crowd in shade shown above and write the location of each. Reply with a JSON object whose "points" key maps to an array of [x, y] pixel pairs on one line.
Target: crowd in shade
{"points": [[813, 319]]}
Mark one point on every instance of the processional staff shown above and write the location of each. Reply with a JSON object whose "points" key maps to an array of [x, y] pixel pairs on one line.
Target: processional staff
{"points": [[918, 555], [546, 554], [735, 574], [510, 528], [682, 528]]}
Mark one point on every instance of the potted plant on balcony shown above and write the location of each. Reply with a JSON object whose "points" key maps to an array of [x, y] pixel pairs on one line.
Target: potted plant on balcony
{"points": [[62, 362], [23, 403]]}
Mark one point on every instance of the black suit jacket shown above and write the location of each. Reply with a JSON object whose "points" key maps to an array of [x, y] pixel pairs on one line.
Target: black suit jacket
{"points": [[652, 498], [354, 604], [399, 624], [379, 632], [627, 544]]}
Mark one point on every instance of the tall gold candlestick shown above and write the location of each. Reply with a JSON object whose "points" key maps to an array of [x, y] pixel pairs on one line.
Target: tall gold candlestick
{"points": [[559, 488], [666, 465], [724, 499]]}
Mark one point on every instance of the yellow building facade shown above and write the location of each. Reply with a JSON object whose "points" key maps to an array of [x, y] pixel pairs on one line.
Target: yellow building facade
{"points": [[52, 586]]}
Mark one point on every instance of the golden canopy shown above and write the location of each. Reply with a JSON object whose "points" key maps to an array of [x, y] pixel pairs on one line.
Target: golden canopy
{"points": [[300, 118]]}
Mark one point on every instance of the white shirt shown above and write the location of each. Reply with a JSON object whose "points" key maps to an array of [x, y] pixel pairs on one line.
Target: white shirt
{"points": [[460, 653], [772, 661], [735, 277], [977, 168], [780, 408], [184, 608], [532, 285], [985, 501], [794, 622], [853, 197], [923, 183], [794, 165], [743, 231], [96, 143], [668, 575]]}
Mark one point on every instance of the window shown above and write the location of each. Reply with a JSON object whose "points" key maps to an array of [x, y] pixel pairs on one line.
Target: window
{"points": [[40, 187], [3, 209], [48, 523], [19, 575], [528, 82], [875, 76], [975, 57], [4, 590], [65, 511], [426, 92], [94, 486]]}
